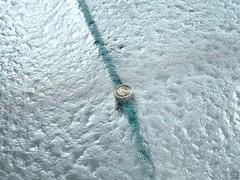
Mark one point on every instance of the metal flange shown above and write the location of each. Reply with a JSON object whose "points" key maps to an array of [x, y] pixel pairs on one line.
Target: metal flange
{"points": [[123, 92]]}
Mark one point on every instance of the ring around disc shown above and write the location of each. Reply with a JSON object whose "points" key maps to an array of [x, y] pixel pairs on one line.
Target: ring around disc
{"points": [[123, 91]]}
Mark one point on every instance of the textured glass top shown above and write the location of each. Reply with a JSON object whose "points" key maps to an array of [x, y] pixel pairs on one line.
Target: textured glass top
{"points": [[60, 61]]}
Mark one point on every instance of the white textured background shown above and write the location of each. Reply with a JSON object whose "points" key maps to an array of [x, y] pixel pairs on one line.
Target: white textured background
{"points": [[57, 110]]}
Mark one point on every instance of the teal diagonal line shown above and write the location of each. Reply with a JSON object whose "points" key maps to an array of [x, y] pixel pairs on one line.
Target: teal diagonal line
{"points": [[143, 151], [100, 43], [128, 107]]}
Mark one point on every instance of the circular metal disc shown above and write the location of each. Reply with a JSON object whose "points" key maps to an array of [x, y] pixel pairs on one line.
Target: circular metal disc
{"points": [[123, 91]]}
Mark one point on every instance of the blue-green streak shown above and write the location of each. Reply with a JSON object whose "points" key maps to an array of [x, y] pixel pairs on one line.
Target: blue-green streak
{"points": [[100, 43], [128, 107], [144, 154]]}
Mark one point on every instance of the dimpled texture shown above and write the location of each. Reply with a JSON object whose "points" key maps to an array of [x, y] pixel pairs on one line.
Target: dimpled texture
{"points": [[57, 109], [183, 60]]}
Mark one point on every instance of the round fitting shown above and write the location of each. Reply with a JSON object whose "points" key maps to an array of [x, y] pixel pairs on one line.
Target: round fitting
{"points": [[123, 92]]}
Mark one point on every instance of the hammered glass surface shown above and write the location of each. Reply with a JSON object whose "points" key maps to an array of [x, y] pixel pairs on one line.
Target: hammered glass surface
{"points": [[58, 117]]}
